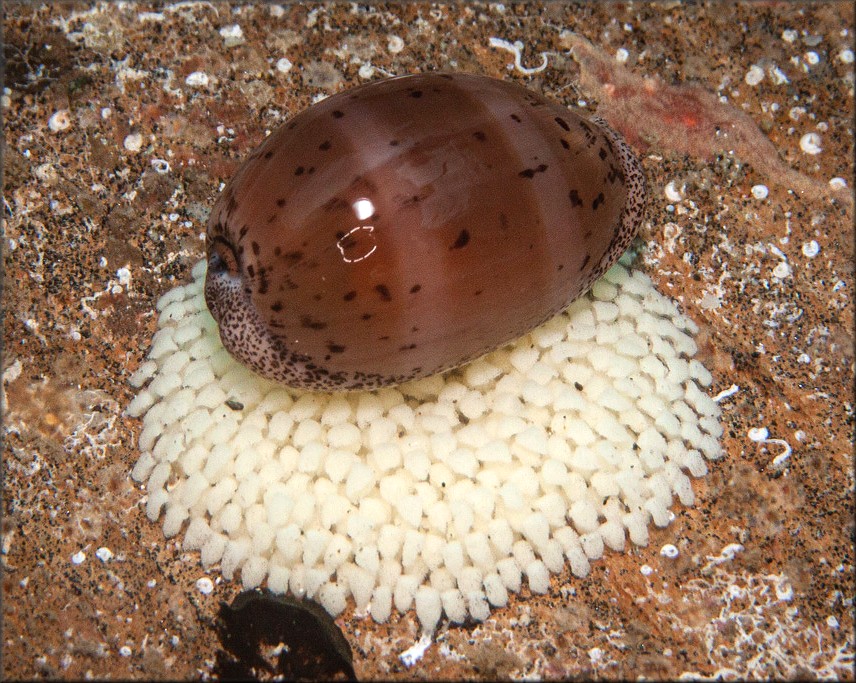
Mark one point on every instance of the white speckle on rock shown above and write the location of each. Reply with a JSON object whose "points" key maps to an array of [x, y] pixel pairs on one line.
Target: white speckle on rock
{"points": [[205, 585], [59, 121], [778, 76], [670, 551], [395, 44], [150, 16], [673, 194], [232, 35], [621, 55], [595, 654], [810, 143], [46, 173], [283, 65], [725, 555], [125, 651], [782, 270], [161, 166], [810, 249], [832, 621], [133, 142], [758, 434], [366, 71], [784, 590], [789, 35], [104, 554], [197, 79], [12, 373], [811, 58], [760, 191], [79, 557], [754, 76], [646, 570], [837, 183], [516, 48], [415, 652], [846, 56]]}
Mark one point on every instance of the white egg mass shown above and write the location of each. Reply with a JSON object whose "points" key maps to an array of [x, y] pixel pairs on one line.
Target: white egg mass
{"points": [[442, 495]]}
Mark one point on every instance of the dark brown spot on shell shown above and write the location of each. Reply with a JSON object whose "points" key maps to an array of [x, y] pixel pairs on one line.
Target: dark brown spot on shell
{"points": [[308, 322], [530, 172], [462, 240], [383, 290]]}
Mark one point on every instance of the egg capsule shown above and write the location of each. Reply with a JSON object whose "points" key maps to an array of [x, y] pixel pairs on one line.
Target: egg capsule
{"points": [[412, 224]]}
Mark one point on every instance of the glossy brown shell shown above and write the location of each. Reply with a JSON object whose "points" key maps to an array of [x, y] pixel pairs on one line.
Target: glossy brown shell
{"points": [[412, 224]]}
